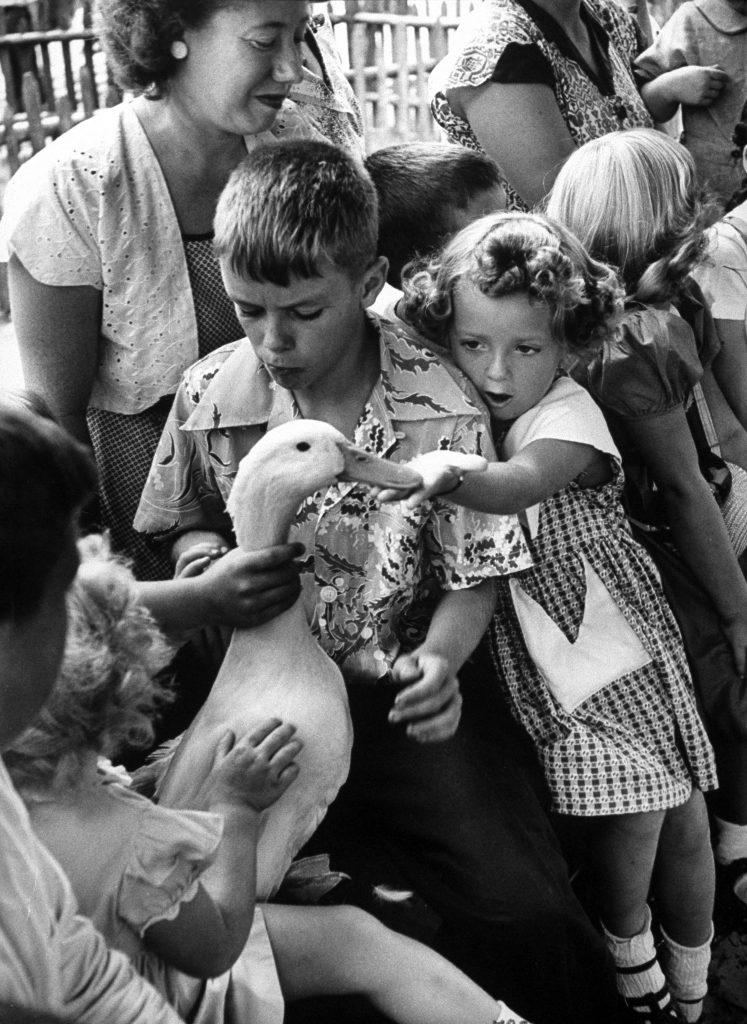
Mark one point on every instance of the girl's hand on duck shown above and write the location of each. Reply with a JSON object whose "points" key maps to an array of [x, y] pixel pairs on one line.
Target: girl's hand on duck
{"points": [[255, 770], [430, 704], [247, 588], [442, 472]]}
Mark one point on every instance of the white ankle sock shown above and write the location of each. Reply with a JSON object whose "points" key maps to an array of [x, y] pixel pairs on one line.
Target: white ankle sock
{"points": [[731, 841], [640, 979], [686, 969]]}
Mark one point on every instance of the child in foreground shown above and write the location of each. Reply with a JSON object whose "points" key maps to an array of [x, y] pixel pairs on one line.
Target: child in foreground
{"points": [[585, 647], [174, 888]]}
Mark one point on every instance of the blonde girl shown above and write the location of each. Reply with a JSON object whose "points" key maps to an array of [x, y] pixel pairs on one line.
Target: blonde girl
{"points": [[175, 888], [661, 380], [585, 648]]}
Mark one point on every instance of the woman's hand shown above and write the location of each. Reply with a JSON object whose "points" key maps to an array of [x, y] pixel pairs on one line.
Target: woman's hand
{"points": [[442, 472], [255, 770]]}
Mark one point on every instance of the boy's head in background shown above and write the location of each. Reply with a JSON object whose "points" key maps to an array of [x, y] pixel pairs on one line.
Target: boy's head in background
{"points": [[427, 192], [296, 232]]}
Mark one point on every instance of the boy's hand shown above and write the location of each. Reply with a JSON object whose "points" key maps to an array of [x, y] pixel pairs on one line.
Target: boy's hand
{"points": [[244, 589], [255, 770], [431, 702], [441, 471], [696, 86]]}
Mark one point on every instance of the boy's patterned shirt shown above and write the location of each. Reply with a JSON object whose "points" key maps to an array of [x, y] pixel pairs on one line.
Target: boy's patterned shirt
{"points": [[373, 574]]}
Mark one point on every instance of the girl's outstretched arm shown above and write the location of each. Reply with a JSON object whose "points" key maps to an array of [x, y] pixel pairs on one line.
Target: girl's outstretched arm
{"points": [[696, 522], [248, 775], [536, 472]]}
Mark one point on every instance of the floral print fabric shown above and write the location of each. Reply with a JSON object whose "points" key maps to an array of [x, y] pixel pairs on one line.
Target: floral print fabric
{"points": [[587, 110], [373, 573]]}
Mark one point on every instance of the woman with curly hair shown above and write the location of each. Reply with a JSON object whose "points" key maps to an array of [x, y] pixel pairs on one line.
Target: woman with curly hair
{"points": [[585, 648], [114, 287]]}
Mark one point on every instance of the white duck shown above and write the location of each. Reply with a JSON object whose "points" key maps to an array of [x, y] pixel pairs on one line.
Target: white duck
{"points": [[278, 669]]}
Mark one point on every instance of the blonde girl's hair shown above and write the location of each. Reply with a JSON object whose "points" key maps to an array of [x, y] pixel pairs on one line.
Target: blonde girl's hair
{"points": [[631, 198], [106, 695], [508, 252]]}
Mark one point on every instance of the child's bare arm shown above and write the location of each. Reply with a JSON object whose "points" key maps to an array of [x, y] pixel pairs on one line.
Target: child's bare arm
{"points": [[248, 775], [238, 589], [541, 469], [430, 702], [697, 526], [693, 86]]}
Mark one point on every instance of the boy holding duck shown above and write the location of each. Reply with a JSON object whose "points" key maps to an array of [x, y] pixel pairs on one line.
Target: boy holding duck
{"points": [[398, 598]]}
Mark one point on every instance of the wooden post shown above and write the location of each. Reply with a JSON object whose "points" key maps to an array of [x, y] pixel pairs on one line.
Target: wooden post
{"points": [[46, 77], [11, 141], [32, 103], [69, 77], [87, 91], [401, 60]]}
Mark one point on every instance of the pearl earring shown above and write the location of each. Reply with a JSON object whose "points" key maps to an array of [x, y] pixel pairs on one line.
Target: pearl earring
{"points": [[179, 49]]}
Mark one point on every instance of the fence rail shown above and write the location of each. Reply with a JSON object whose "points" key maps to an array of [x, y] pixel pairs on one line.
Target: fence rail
{"points": [[55, 79]]}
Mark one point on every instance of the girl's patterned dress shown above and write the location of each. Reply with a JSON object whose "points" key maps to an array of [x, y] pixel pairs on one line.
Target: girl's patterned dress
{"points": [[606, 694]]}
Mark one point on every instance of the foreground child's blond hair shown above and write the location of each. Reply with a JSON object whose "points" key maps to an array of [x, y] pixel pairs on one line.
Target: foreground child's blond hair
{"points": [[106, 694]]}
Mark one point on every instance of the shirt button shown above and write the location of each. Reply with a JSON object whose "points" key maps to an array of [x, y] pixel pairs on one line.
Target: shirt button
{"points": [[328, 594]]}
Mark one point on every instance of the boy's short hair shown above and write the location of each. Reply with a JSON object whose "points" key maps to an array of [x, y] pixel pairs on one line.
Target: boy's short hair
{"points": [[45, 476], [292, 205], [419, 185]]}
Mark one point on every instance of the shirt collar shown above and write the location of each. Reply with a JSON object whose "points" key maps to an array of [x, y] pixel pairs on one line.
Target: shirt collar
{"points": [[722, 16], [412, 386]]}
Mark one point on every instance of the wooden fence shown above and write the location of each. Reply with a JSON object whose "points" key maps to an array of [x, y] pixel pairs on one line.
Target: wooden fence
{"points": [[55, 79]]}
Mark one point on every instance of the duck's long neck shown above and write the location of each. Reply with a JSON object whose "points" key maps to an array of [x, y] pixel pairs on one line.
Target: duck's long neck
{"points": [[266, 513]]}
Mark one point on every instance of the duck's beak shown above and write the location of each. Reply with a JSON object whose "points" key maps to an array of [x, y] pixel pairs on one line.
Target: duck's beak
{"points": [[362, 467]]}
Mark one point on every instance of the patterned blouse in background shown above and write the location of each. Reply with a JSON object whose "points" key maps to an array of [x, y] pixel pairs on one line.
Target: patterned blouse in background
{"points": [[372, 573], [517, 42]]}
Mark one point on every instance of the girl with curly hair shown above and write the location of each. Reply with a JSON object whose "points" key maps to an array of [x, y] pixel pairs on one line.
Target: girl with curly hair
{"points": [[585, 649], [174, 888], [664, 379]]}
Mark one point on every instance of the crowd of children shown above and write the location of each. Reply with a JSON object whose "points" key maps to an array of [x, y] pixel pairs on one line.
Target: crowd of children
{"points": [[545, 636]]}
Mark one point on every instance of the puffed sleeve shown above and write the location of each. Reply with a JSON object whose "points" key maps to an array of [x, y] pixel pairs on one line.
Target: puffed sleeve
{"points": [[648, 366], [169, 853], [482, 43], [51, 218]]}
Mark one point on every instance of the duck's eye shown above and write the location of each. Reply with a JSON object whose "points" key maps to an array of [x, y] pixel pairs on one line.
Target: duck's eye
{"points": [[303, 446]]}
